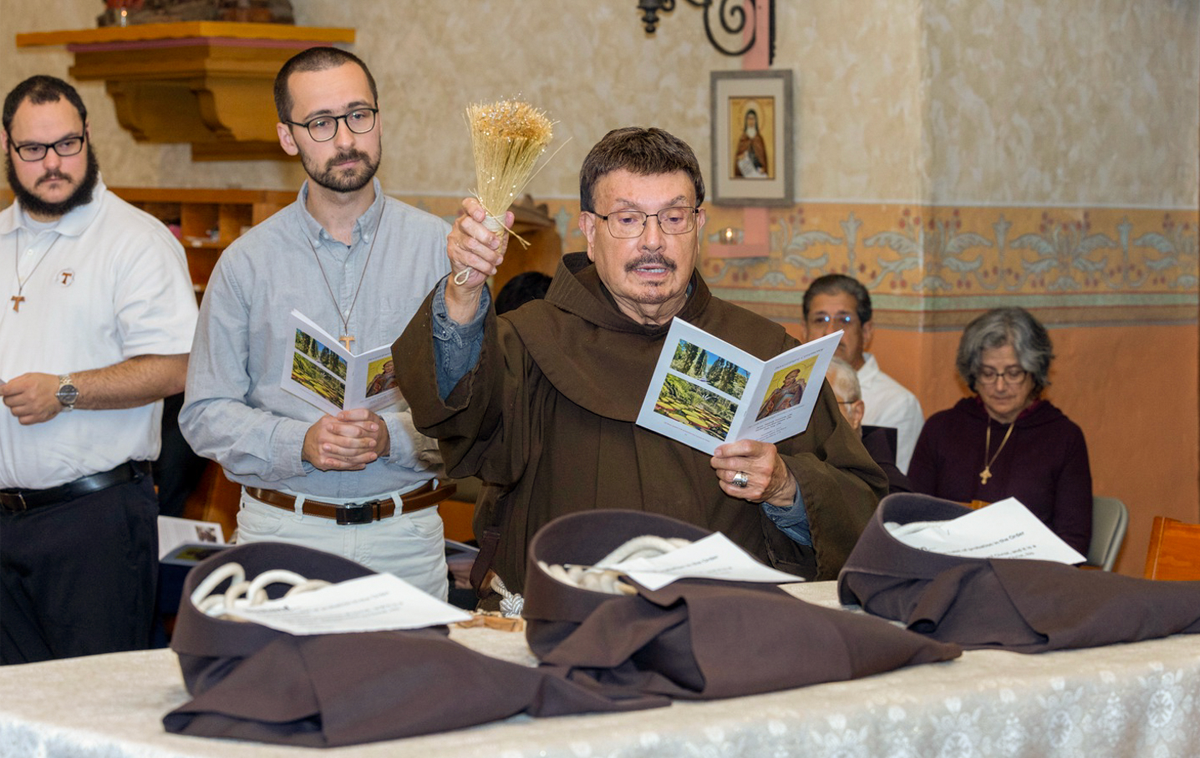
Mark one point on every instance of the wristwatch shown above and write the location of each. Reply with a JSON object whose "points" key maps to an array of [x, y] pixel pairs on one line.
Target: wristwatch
{"points": [[67, 393]]}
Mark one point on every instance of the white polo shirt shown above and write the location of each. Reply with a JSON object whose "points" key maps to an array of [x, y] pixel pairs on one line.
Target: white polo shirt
{"points": [[106, 283]]}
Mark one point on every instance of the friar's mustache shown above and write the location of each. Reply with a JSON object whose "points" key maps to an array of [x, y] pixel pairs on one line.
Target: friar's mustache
{"points": [[651, 259]]}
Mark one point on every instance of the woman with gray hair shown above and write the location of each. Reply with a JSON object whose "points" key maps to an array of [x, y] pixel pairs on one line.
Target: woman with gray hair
{"points": [[1007, 441]]}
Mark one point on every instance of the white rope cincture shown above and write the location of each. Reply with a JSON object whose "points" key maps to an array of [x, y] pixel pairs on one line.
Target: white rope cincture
{"points": [[244, 594], [609, 581], [511, 603]]}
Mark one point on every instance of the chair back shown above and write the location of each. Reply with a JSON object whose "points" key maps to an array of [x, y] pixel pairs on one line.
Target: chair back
{"points": [[1110, 519], [1174, 552]]}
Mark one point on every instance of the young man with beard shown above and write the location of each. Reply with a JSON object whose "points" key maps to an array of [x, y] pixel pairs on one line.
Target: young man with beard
{"points": [[96, 322], [360, 484]]}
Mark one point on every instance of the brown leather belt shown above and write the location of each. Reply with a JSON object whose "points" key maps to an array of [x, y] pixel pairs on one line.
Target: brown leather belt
{"points": [[358, 513]]}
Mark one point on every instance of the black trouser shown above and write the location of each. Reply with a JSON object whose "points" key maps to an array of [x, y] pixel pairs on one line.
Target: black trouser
{"points": [[79, 577]]}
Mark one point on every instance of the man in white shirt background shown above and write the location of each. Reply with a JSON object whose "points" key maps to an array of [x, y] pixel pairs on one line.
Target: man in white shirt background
{"points": [[837, 301]]}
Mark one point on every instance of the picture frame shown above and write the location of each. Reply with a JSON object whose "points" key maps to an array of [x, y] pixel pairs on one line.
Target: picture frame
{"points": [[752, 146]]}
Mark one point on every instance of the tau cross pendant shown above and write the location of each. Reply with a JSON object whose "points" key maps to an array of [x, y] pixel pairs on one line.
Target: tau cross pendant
{"points": [[17, 300], [346, 339], [985, 474]]}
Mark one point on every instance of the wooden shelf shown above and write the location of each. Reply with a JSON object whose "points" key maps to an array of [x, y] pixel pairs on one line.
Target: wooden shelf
{"points": [[187, 30], [196, 213], [207, 83]]}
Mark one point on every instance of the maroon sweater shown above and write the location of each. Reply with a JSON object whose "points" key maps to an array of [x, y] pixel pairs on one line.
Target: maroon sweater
{"points": [[1044, 464]]}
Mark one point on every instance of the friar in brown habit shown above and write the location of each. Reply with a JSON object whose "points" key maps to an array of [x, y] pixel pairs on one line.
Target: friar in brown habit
{"points": [[543, 400]]}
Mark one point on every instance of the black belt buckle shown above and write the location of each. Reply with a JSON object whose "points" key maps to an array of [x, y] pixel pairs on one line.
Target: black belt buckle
{"points": [[18, 501], [358, 513], [14, 502]]}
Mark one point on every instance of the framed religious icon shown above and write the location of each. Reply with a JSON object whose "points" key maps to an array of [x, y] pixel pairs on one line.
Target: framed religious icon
{"points": [[752, 138]]}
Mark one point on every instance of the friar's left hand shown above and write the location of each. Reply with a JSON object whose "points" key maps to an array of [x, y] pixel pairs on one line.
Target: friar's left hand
{"points": [[767, 478]]}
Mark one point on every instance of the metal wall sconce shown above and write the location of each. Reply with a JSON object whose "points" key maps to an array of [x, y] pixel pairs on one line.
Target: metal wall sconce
{"points": [[731, 14]]}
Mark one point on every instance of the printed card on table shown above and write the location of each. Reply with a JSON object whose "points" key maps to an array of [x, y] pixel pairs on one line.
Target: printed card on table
{"points": [[706, 392], [373, 603], [712, 557], [323, 372], [1004, 529]]}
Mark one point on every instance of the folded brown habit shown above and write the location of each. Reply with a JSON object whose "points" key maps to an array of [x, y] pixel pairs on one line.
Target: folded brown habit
{"points": [[251, 682], [694, 639], [1020, 605]]}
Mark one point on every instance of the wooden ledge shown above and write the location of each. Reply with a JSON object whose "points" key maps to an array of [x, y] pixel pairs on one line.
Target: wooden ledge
{"points": [[207, 83], [188, 29]]}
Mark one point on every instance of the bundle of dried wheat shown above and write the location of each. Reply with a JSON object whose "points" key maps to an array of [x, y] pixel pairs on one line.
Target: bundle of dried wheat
{"points": [[507, 137]]}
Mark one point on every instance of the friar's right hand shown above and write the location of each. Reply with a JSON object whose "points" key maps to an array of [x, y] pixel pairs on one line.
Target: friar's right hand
{"points": [[472, 248]]}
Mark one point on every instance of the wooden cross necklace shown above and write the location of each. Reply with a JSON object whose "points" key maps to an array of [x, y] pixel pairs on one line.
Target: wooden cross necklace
{"points": [[987, 465], [19, 298], [347, 337]]}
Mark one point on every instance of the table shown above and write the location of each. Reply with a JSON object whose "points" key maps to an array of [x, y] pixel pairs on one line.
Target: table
{"points": [[1122, 700]]}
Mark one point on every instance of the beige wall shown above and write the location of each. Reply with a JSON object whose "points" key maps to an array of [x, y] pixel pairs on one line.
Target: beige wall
{"points": [[912, 100], [430, 60], [1087, 102], [859, 97]]}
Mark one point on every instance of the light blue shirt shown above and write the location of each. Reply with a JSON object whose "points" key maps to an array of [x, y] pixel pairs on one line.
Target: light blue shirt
{"points": [[235, 410]]}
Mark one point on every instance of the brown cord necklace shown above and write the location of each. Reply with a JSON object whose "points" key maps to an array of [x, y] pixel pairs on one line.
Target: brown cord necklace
{"points": [[19, 298], [347, 337]]}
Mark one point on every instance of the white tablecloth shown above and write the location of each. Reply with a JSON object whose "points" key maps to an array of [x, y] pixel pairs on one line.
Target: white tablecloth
{"points": [[1123, 700]]}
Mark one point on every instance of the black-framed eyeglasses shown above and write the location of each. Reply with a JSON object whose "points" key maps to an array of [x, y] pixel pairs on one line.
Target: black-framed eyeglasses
{"points": [[630, 224], [836, 320], [1012, 375], [31, 152], [324, 128]]}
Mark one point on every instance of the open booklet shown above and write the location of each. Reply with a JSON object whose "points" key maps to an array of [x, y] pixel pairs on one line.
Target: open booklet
{"points": [[329, 376], [706, 392], [174, 532]]}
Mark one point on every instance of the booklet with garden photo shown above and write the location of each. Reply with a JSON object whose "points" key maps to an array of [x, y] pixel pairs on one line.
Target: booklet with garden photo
{"points": [[706, 392], [323, 372]]}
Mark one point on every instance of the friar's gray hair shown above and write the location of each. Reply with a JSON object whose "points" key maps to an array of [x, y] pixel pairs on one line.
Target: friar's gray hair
{"points": [[844, 380], [1006, 326]]}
